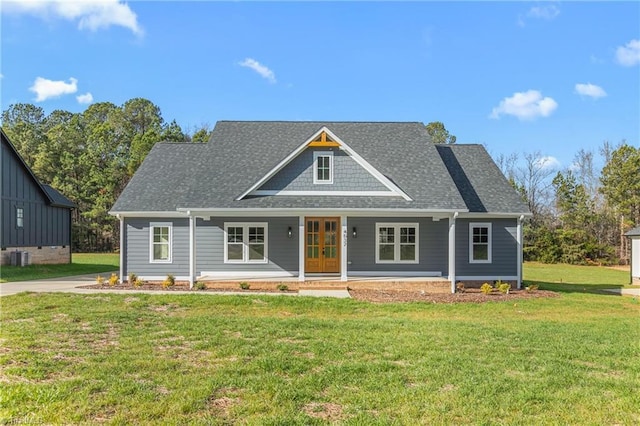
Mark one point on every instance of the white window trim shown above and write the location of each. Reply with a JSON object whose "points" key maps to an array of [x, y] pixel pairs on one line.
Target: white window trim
{"points": [[317, 154], [487, 225], [20, 217], [245, 241], [396, 243], [153, 225]]}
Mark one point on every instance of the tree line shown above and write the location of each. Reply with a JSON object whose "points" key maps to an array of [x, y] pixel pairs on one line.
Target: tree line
{"points": [[90, 156], [579, 214]]}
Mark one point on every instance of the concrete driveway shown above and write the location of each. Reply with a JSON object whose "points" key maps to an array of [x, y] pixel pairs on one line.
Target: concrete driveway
{"points": [[71, 284]]}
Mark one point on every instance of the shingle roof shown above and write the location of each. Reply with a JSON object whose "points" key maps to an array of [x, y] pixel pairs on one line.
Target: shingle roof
{"points": [[479, 180], [239, 154], [635, 232]]}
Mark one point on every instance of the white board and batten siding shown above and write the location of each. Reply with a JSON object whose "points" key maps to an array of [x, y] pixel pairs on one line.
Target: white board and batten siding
{"points": [[635, 260]]}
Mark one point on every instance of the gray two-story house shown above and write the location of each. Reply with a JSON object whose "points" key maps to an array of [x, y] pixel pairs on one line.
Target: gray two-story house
{"points": [[308, 199], [35, 218]]}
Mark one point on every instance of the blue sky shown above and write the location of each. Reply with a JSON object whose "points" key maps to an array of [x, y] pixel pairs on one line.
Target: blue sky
{"points": [[517, 77]]}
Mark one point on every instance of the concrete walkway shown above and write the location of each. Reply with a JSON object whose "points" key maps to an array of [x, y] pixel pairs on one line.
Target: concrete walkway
{"points": [[71, 284], [625, 291]]}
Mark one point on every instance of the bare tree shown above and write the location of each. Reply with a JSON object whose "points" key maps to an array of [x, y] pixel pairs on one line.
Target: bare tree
{"points": [[534, 178]]}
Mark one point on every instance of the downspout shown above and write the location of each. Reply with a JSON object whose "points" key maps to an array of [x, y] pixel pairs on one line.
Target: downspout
{"points": [[452, 251], [122, 230], [520, 250]]}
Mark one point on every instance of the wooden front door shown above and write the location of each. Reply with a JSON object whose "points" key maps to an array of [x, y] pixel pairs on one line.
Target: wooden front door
{"points": [[322, 248]]}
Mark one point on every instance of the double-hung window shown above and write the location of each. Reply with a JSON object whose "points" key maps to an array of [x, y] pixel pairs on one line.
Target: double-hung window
{"points": [[397, 243], [160, 236], [245, 242], [19, 217], [322, 167], [479, 243]]}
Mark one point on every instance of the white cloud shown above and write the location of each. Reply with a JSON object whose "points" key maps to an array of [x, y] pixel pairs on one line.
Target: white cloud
{"points": [[90, 14], [547, 162], [525, 105], [259, 68], [547, 12], [47, 89], [87, 98], [590, 90], [629, 55]]}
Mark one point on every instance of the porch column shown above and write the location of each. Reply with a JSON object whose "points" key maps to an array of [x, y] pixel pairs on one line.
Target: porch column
{"points": [[192, 249], [301, 237], [452, 251], [122, 231], [343, 251], [519, 250]]}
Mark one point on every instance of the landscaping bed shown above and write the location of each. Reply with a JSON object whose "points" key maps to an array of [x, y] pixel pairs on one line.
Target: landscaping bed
{"points": [[369, 295], [469, 296]]}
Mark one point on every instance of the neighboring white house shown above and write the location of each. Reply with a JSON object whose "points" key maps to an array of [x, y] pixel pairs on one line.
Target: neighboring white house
{"points": [[634, 236]]}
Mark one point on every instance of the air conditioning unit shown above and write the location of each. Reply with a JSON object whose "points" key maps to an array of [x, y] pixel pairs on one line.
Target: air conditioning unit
{"points": [[26, 258], [20, 258]]}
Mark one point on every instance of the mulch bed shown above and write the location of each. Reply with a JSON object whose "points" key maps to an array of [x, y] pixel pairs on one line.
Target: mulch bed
{"points": [[373, 296], [469, 296], [180, 287]]}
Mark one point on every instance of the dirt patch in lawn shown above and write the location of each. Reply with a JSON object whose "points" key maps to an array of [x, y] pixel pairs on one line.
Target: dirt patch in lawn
{"points": [[469, 296], [325, 411]]}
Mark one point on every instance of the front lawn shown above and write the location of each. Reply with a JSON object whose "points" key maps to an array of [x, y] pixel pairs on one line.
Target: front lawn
{"points": [[574, 278], [81, 264], [203, 359]]}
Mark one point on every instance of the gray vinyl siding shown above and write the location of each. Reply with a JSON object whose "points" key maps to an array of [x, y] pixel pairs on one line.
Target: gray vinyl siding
{"points": [[281, 250], [504, 251], [347, 175], [43, 225], [136, 246], [433, 243]]}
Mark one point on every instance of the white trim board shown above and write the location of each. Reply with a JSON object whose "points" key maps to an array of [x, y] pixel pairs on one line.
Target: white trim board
{"points": [[245, 274], [327, 193], [486, 278], [392, 274]]}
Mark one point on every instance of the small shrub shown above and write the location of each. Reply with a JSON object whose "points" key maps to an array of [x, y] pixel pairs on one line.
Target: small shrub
{"points": [[132, 278], [283, 287], [99, 280], [200, 285], [244, 285], [113, 280], [504, 288], [170, 281], [486, 288], [137, 283], [460, 287], [531, 288]]}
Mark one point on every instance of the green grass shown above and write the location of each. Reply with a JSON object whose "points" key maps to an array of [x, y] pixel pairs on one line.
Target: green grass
{"points": [[81, 264], [574, 278], [196, 359]]}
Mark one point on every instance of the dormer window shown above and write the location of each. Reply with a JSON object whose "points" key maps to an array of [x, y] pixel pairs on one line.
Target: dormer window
{"points": [[322, 167]]}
